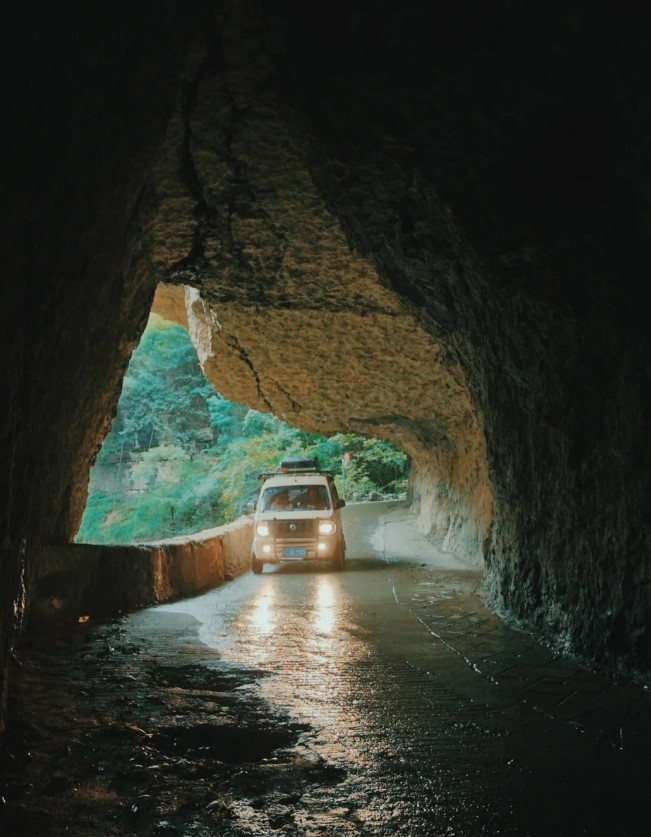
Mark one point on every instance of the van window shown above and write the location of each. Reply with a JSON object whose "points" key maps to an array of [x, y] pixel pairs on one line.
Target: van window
{"points": [[296, 497]]}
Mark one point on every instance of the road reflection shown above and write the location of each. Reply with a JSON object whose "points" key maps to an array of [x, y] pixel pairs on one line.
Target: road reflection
{"points": [[262, 616], [325, 611], [301, 628], [322, 603]]}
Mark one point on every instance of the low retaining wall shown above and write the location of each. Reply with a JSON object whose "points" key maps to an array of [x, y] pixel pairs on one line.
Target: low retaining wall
{"points": [[74, 581]]}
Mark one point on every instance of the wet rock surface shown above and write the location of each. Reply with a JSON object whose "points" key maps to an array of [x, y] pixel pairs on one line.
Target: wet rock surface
{"points": [[109, 738], [383, 700]]}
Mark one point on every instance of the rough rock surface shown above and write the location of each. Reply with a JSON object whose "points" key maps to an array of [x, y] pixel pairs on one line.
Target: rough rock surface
{"points": [[450, 201]]}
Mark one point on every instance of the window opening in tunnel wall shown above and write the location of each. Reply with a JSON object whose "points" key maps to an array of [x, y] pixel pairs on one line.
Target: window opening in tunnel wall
{"points": [[180, 458]]}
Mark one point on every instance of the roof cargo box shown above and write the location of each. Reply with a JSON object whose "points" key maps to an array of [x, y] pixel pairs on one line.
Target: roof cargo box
{"points": [[297, 464]]}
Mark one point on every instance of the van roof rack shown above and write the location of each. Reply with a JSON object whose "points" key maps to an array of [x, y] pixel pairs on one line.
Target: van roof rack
{"points": [[296, 472], [265, 475]]}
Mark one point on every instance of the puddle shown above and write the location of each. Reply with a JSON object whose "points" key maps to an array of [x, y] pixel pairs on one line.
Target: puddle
{"points": [[225, 743]]}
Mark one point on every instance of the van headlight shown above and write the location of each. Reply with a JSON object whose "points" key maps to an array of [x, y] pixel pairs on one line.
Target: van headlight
{"points": [[327, 527], [262, 529]]}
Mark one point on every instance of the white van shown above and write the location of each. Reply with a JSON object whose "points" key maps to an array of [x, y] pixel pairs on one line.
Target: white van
{"points": [[297, 517]]}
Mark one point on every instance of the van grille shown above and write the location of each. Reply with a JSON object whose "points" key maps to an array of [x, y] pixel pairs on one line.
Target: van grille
{"points": [[294, 529]]}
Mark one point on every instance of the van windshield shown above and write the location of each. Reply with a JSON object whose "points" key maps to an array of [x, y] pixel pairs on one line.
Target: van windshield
{"points": [[294, 498]]}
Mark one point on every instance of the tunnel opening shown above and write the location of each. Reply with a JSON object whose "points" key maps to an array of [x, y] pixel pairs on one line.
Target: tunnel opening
{"points": [[366, 366], [181, 459]]}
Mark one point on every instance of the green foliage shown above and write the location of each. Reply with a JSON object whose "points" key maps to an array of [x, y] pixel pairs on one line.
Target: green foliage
{"points": [[164, 396], [180, 458]]}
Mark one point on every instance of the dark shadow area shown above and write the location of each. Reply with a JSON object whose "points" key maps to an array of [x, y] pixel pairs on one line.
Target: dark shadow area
{"points": [[223, 743]]}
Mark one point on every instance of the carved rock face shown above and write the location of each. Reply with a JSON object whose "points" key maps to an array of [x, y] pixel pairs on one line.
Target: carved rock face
{"points": [[452, 208]]}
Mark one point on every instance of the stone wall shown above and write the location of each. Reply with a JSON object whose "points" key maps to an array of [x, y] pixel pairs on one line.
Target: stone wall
{"points": [[79, 581]]}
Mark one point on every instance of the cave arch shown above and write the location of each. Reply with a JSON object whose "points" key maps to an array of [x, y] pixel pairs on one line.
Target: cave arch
{"points": [[416, 183], [374, 372]]}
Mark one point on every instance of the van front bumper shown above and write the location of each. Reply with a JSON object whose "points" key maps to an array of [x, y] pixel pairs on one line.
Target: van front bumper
{"points": [[275, 550]]}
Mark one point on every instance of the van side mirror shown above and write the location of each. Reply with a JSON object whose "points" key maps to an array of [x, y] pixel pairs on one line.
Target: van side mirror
{"points": [[250, 507], [339, 504]]}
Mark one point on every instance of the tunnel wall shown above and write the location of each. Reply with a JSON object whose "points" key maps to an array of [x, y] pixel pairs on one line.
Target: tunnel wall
{"points": [[74, 581], [489, 161], [88, 102], [492, 161]]}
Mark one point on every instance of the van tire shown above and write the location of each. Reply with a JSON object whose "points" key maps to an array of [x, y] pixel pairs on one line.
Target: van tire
{"points": [[256, 566], [340, 557]]}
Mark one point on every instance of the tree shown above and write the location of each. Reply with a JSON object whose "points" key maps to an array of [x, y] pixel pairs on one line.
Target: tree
{"points": [[181, 458]]}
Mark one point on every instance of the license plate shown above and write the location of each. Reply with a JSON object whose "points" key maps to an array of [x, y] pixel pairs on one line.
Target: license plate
{"points": [[295, 552]]}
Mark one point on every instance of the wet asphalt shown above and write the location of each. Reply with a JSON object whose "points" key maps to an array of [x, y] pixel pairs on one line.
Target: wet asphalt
{"points": [[382, 700], [435, 717]]}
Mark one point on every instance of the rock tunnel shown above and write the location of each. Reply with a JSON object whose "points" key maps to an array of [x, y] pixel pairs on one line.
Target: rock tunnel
{"points": [[424, 222]]}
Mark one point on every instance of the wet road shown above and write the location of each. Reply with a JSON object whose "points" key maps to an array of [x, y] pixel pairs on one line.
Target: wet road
{"points": [[427, 714]]}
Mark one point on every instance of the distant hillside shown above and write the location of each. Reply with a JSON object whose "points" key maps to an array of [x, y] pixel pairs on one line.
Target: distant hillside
{"points": [[180, 458]]}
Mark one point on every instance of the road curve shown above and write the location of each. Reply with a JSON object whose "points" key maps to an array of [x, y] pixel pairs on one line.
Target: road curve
{"points": [[400, 678], [382, 700]]}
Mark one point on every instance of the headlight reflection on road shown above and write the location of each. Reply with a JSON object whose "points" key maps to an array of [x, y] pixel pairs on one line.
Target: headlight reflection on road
{"points": [[262, 614], [326, 611]]}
